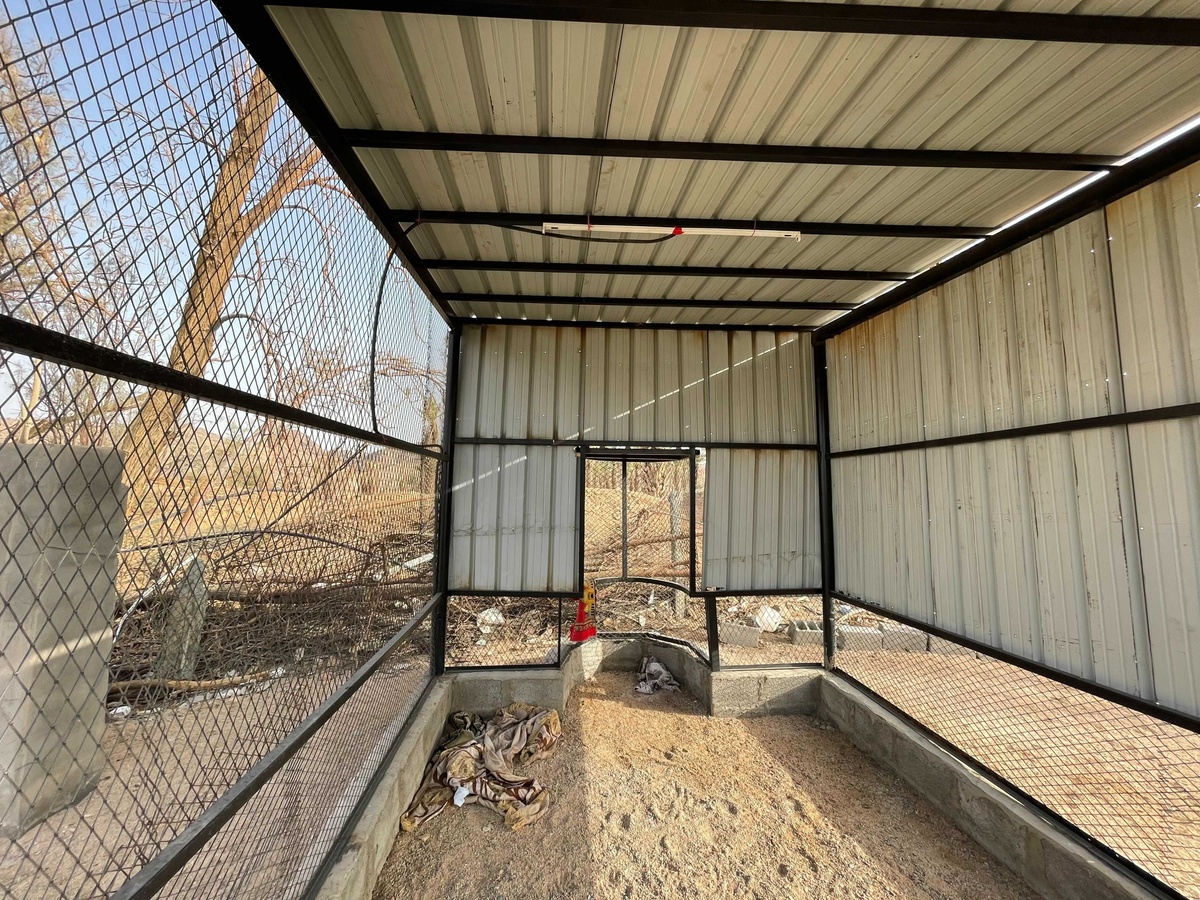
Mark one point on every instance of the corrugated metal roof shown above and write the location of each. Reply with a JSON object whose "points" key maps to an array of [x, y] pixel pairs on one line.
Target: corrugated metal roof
{"points": [[403, 71]]}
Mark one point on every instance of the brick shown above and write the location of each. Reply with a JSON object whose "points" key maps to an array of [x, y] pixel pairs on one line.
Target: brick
{"points": [[739, 635]]}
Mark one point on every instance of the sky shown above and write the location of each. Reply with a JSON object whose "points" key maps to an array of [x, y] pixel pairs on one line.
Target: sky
{"points": [[134, 75]]}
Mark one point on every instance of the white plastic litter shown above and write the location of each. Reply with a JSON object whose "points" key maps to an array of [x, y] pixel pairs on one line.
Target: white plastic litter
{"points": [[654, 675], [490, 616], [768, 619], [460, 795]]}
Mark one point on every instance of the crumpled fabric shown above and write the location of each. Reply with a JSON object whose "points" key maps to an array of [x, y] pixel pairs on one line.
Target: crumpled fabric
{"points": [[654, 676], [480, 758]]}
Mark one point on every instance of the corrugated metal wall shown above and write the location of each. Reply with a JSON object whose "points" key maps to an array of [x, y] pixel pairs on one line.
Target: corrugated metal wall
{"points": [[761, 520], [514, 515], [1078, 550]]}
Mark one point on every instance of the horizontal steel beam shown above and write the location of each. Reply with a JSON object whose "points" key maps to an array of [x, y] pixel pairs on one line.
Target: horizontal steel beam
{"points": [[1121, 698], [462, 321], [560, 268], [45, 343], [536, 220], [731, 305], [1134, 175], [704, 150], [158, 871], [1066, 426], [816, 17]]}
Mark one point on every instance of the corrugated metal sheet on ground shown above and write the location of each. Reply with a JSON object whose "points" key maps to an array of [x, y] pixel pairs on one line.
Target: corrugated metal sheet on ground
{"points": [[613, 384], [761, 520]]}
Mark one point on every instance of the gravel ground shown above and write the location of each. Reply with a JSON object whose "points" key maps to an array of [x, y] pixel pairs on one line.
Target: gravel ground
{"points": [[652, 798]]}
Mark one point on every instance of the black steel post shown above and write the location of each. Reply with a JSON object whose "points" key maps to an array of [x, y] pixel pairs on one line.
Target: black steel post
{"points": [[437, 660], [825, 492], [692, 471], [714, 637], [580, 478], [624, 519]]}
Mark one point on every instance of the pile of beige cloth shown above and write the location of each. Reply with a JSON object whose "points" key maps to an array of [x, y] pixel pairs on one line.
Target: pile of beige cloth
{"points": [[475, 765]]}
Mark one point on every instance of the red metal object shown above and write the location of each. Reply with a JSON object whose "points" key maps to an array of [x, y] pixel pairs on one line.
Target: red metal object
{"points": [[584, 626]]}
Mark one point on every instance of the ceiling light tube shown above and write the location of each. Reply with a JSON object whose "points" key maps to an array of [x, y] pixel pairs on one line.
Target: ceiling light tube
{"points": [[552, 227]]}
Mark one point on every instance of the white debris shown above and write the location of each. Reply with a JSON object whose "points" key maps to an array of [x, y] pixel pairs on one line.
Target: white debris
{"points": [[768, 619], [121, 712], [460, 795], [419, 561], [654, 675], [490, 616]]}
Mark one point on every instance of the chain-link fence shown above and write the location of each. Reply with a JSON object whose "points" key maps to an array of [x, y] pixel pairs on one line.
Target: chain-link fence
{"points": [[504, 631], [1129, 780], [226, 505], [756, 630]]}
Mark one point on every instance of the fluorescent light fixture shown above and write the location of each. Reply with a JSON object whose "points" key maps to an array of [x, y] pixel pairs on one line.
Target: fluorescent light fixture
{"points": [[1176, 132], [553, 227]]}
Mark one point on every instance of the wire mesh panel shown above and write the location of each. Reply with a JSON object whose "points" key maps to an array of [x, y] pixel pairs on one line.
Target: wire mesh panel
{"points": [[276, 844], [1129, 780], [151, 660], [770, 631], [159, 199], [185, 582], [638, 525], [502, 631]]}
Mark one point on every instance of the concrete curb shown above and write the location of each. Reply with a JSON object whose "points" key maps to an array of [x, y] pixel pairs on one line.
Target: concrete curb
{"points": [[355, 873], [1051, 861]]}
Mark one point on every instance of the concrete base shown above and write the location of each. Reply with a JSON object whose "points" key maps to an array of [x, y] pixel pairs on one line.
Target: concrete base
{"points": [[488, 689], [765, 692], [355, 873], [1049, 859]]}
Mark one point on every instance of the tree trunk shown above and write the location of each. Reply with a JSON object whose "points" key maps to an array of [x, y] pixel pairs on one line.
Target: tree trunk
{"points": [[150, 449]]}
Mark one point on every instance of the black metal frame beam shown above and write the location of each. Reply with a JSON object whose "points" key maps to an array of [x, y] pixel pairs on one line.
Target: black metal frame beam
{"points": [[816, 17], [1134, 417], [40, 342], [577, 268], [1154, 887], [1120, 182], [643, 302], [654, 326], [379, 139], [842, 229], [1129, 701], [258, 33], [441, 560], [824, 499], [629, 449]]}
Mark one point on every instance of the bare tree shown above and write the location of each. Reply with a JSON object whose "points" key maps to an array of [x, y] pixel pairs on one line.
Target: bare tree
{"points": [[232, 218], [58, 266]]}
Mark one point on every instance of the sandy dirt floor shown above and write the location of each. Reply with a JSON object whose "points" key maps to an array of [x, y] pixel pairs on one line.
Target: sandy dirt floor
{"points": [[650, 798]]}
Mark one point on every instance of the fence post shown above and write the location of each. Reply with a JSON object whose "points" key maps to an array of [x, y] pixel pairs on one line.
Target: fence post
{"points": [[437, 662], [714, 637], [825, 493]]}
